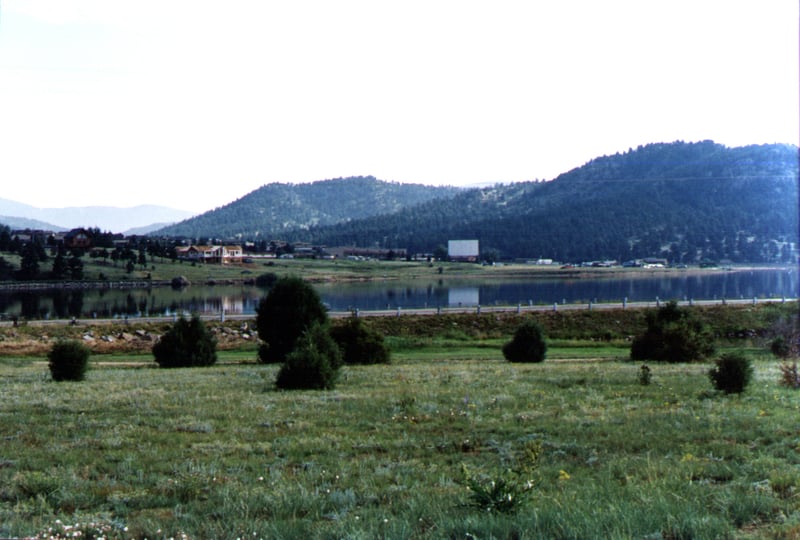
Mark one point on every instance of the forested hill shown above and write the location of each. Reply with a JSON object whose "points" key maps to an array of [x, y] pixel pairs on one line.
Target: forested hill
{"points": [[272, 210], [682, 201]]}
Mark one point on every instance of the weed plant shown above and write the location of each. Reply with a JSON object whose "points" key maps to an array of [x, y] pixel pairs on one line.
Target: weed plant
{"points": [[790, 375], [645, 375]]}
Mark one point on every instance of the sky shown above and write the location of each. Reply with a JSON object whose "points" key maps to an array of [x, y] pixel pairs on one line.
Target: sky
{"points": [[193, 104]]}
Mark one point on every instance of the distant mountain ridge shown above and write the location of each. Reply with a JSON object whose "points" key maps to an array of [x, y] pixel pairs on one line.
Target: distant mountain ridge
{"points": [[106, 218], [275, 209], [27, 223], [681, 201]]}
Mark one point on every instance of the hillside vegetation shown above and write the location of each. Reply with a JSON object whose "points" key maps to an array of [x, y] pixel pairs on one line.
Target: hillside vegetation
{"points": [[682, 201], [274, 209]]}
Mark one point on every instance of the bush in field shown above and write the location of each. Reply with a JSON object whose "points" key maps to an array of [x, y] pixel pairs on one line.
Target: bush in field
{"points": [[186, 344], [68, 361], [313, 364], [731, 373], [528, 344], [785, 333], [645, 375], [673, 335], [780, 347], [359, 344], [289, 309]]}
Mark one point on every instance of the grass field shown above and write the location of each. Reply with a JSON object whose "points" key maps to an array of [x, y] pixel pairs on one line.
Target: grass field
{"points": [[311, 269], [322, 270], [218, 452]]}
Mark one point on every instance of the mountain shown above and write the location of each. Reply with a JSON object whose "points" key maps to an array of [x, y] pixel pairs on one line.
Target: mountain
{"points": [[275, 209], [27, 223], [681, 201], [145, 230], [106, 218]]}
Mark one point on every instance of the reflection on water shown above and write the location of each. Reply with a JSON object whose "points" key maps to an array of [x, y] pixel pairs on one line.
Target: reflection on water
{"points": [[683, 286], [118, 303], [111, 303], [464, 296]]}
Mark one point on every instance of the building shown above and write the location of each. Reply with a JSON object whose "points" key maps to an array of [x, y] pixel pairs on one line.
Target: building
{"points": [[463, 250], [210, 254], [78, 239]]}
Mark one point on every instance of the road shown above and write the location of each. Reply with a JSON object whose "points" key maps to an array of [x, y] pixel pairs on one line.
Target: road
{"points": [[425, 311]]}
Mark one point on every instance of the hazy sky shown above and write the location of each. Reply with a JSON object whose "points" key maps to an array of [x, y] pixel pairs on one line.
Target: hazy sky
{"points": [[193, 104]]}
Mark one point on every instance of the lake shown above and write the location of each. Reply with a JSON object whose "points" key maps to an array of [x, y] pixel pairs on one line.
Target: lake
{"points": [[366, 296]]}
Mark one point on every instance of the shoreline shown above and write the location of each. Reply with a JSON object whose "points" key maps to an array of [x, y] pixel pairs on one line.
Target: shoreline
{"points": [[521, 271], [235, 332], [458, 271]]}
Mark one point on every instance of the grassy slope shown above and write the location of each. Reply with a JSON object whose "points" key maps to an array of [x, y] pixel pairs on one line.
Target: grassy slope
{"points": [[218, 452]]}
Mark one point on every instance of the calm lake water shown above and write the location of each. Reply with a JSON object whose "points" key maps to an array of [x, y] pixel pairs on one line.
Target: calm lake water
{"points": [[110, 303]]}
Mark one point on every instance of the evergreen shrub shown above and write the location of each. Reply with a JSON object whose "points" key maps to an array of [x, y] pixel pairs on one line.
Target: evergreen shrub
{"points": [[313, 364], [731, 373], [360, 344], [290, 308], [186, 344], [780, 347], [68, 361], [527, 345], [673, 335]]}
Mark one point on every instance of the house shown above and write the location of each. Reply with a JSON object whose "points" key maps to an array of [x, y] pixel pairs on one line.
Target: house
{"points": [[78, 239], [654, 262], [210, 254], [32, 235], [232, 254]]}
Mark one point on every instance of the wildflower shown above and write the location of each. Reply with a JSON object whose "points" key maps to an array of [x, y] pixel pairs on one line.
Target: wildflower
{"points": [[563, 475]]}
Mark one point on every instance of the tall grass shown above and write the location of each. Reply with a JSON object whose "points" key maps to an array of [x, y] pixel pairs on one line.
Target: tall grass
{"points": [[219, 452]]}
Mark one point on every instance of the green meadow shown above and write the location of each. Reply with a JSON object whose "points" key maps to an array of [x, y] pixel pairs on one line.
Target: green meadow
{"points": [[323, 270], [448, 441]]}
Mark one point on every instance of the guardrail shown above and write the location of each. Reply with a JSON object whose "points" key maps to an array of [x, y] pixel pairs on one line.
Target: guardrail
{"points": [[399, 311]]}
